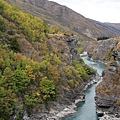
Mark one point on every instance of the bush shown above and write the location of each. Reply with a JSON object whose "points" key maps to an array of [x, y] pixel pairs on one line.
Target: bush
{"points": [[11, 32], [90, 70], [14, 45], [71, 83], [118, 102], [80, 50], [54, 30], [102, 38], [47, 89], [79, 67], [2, 24], [108, 54]]}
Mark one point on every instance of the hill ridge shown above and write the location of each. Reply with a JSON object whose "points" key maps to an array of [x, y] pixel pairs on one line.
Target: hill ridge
{"points": [[63, 17]]}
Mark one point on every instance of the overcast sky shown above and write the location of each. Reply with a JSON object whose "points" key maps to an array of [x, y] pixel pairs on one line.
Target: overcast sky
{"points": [[100, 10]]}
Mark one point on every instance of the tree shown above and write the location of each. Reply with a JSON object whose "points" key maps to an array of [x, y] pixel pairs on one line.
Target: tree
{"points": [[7, 103], [30, 101], [79, 67], [7, 76], [2, 24], [20, 81], [14, 45], [29, 73], [47, 89]]}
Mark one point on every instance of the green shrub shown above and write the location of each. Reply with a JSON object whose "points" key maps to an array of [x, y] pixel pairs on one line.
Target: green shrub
{"points": [[80, 50], [118, 102], [11, 32], [79, 67], [90, 70], [71, 83], [2, 24], [14, 45], [108, 53], [54, 30], [47, 89]]}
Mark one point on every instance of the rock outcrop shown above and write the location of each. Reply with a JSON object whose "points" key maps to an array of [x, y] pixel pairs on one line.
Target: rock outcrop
{"points": [[108, 91], [101, 50]]}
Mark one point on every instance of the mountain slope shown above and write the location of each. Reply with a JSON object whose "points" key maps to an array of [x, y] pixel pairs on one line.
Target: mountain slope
{"points": [[112, 28], [61, 16], [115, 25], [108, 91], [102, 49], [38, 70]]}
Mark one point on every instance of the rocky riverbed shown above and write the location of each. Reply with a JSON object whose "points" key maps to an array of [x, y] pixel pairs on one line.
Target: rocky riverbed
{"points": [[108, 117]]}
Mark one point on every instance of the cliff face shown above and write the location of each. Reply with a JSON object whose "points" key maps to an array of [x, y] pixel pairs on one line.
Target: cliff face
{"points": [[102, 49], [108, 91]]}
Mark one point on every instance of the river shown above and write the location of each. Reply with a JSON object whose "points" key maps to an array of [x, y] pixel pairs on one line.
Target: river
{"points": [[87, 110]]}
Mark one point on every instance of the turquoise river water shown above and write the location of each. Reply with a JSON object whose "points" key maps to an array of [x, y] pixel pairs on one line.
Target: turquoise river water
{"points": [[87, 110]]}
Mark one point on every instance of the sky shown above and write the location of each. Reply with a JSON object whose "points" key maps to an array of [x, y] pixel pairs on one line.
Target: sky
{"points": [[100, 10]]}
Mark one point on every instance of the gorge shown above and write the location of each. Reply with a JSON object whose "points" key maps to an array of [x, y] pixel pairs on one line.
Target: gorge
{"points": [[87, 110], [42, 76]]}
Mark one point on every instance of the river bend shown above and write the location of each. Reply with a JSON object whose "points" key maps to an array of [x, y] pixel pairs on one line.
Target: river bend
{"points": [[87, 110]]}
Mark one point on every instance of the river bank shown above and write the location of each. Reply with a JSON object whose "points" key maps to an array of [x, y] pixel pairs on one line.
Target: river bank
{"points": [[106, 116], [87, 110], [108, 91], [59, 111]]}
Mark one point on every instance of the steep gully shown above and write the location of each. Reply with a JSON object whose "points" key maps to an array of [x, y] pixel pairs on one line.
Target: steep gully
{"points": [[87, 110]]}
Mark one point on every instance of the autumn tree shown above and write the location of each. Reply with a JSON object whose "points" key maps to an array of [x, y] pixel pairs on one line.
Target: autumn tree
{"points": [[2, 24], [47, 89]]}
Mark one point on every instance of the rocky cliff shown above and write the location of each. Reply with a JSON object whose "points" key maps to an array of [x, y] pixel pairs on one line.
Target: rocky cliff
{"points": [[108, 91], [101, 50]]}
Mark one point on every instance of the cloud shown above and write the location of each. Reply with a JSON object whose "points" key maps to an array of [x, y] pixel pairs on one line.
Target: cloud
{"points": [[101, 10]]}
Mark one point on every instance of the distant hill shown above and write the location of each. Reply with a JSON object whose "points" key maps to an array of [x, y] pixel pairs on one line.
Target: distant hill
{"points": [[111, 28], [62, 16]]}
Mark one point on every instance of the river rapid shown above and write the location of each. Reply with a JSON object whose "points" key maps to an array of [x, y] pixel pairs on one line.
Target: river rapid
{"points": [[87, 110]]}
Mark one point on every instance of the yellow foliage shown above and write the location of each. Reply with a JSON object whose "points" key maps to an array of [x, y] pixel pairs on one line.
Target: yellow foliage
{"points": [[118, 102], [37, 93]]}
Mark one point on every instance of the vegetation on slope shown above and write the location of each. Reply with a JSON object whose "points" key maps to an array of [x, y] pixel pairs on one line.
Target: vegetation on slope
{"points": [[27, 82], [33, 27], [62, 16]]}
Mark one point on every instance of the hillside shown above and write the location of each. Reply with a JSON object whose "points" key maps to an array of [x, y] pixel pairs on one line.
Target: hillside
{"points": [[108, 91], [62, 16], [112, 28], [39, 70], [101, 50]]}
